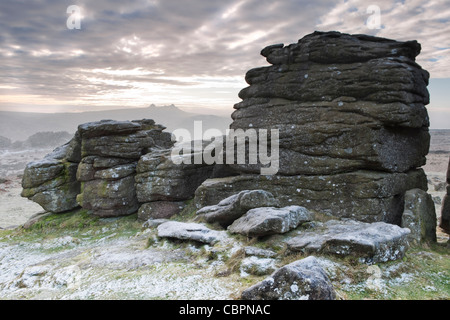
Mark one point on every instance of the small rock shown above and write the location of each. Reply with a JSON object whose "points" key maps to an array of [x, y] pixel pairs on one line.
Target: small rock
{"points": [[301, 280], [233, 207], [159, 210], [189, 231], [152, 223], [266, 221], [35, 218], [257, 266], [258, 252], [419, 216]]}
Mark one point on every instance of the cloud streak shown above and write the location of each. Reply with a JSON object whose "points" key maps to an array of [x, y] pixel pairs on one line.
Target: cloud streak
{"points": [[139, 52]]}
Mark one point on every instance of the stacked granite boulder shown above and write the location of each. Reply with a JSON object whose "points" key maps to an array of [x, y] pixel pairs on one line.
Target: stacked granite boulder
{"points": [[110, 151], [352, 122], [163, 186]]}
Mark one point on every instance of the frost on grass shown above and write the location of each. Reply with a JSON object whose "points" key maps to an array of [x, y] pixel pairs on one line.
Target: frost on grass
{"points": [[112, 268]]}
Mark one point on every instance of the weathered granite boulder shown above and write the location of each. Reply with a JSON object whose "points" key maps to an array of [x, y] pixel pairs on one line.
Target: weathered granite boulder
{"points": [[361, 195], [445, 213], [419, 216], [110, 152], [257, 266], [52, 182], [266, 221], [189, 231], [341, 102], [160, 179], [369, 242], [300, 280], [233, 207], [166, 178]]}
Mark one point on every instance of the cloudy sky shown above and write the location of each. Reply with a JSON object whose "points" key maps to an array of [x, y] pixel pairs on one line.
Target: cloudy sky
{"points": [[192, 53]]}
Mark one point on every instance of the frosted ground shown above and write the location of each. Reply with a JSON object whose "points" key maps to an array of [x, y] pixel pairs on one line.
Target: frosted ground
{"points": [[79, 257]]}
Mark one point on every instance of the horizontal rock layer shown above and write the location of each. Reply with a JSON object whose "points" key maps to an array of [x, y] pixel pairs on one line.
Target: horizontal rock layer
{"points": [[361, 195]]}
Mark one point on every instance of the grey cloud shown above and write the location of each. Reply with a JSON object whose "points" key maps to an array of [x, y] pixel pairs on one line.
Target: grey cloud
{"points": [[173, 28]]}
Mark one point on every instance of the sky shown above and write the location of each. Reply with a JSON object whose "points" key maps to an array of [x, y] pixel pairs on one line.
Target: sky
{"points": [[191, 53]]}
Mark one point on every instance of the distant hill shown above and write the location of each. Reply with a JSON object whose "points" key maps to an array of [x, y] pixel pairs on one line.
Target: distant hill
{"points": [[21, 125]]}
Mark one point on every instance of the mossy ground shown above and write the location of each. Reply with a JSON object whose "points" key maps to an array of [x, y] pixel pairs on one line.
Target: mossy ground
{"points": [[424, 273]]}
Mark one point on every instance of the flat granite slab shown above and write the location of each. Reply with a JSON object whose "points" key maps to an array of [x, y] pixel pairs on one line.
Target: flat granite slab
{"points": [[370, 242], [189, 231]]}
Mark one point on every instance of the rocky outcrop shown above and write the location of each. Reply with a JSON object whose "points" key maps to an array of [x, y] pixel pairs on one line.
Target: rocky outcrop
{"points": [[419, 216], [369, 242], [300, 280], [445, 213], [353, 127], [52, 182], [110, 151]]}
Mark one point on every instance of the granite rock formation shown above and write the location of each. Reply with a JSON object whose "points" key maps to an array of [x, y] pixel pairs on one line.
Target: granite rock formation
{"points": [[162, 184], [52, 182], [110, 151], [342, 103], [352, 123]]}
